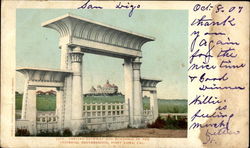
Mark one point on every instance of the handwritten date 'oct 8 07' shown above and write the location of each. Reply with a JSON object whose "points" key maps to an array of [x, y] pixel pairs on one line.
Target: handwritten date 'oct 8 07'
{"points": [[217, 8]]}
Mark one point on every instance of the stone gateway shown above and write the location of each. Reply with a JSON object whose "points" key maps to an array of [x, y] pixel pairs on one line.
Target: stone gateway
{"points": [[77, 37]]}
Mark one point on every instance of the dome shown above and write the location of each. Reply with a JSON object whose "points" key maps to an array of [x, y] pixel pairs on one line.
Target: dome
{"points": [[107, 84]]}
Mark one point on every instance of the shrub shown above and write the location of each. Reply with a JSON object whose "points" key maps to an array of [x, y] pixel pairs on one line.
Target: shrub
{"points": [[169, 123], [67, 132], [50, 133], [182, 123], [22, 132], [172, 123], [159, 123]]}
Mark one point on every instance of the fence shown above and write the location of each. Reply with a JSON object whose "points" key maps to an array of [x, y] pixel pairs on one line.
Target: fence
{"points": [[105, 116], [148, 116], [96, 117], [46, 121]]}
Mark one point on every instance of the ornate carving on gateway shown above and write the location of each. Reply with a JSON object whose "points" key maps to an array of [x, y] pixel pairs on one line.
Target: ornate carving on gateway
{"points": [[81, 28], [149, 84], [78, 36], [44, 75], [76, 57]]}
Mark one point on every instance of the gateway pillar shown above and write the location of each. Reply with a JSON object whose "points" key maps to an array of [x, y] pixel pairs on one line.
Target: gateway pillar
{"points": [[66, 105], [128, 83], [59, 105], [154, 104], [29, 107], [77, 97], [137, 103]]}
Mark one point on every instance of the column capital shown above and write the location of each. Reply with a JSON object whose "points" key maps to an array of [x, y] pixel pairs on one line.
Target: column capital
{"points": [[128, 59], [137, 59], [76, 56], [136, 63]]}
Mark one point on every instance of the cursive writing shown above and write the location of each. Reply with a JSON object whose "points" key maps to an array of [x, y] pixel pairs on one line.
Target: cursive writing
{"points": [[202, 99], [214, 87], [120, 5], [223, 131], [87, 5], [127, 6], [203, 21], [213, 55], [223, 123]]}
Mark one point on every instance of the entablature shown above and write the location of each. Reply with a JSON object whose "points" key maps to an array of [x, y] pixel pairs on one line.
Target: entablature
{"points": [[44, 77], [149, 84], [96, 37]]}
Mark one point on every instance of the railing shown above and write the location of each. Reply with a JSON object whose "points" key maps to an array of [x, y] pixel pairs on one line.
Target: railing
{"points": [[105, 116], [148, 116], [46, 121], [18, 114], [98, 117], [147, 112], [23, 124], [175, 115]]}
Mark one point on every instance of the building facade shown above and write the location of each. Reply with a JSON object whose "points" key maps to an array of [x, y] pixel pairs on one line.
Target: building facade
{"points": [[106, 89]]}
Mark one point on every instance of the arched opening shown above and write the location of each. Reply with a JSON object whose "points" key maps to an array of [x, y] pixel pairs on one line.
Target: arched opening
{"points": [[103, 88]]}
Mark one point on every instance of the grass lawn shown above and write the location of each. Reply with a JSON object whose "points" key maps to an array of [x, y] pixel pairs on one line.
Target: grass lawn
{"points": [[48, 103]]}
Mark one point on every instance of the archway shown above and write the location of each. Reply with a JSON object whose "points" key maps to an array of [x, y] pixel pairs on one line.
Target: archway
{"points": [[77, 37]]}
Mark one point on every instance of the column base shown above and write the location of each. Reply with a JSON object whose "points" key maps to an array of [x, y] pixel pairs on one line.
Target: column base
{"points": [[138, 122], [155, 117], [33, 128], [76, 126]]}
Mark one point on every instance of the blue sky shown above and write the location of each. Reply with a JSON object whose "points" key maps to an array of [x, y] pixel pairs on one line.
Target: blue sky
{"points": [[165, 58]]}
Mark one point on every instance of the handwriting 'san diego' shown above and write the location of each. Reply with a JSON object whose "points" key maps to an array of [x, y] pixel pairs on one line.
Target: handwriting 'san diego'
{"points": [[120, 5]]}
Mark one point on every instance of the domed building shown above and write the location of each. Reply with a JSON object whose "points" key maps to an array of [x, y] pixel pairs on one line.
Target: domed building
{"points": [[107, 89]]}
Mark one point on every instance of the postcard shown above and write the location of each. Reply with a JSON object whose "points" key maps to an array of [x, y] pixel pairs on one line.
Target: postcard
{"points": [[125, 74]]}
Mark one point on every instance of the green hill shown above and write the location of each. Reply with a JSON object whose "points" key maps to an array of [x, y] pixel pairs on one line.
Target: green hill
{"points": [[48, 103]]}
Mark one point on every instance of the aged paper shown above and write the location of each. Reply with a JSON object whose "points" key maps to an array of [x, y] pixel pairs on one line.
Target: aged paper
{"points": [[201, 54]]}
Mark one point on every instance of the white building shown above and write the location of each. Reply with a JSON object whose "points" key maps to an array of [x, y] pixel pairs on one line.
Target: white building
{"points": [[107, 89]]}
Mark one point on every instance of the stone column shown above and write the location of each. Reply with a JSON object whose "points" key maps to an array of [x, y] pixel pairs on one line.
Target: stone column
{"points": [[77, 97], [65, 57], [29, 110], [138, 106], [154, 104], [66, 106], [25, 97], [59, 105], [128, 85], [31, 103]]}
